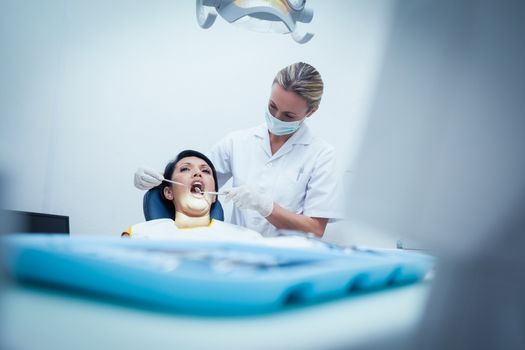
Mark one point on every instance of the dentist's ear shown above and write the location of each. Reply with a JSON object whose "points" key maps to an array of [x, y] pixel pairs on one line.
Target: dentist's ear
{"points": [[314, 109], [168, 193]]}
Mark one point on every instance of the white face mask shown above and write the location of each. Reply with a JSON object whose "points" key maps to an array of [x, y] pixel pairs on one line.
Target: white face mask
{"points": [[278, 127]]}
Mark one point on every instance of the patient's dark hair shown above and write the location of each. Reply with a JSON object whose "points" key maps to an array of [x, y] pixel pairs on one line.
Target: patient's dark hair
{"points": [[170, 168]]}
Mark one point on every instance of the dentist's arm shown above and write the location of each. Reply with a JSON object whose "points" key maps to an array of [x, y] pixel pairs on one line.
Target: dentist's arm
{"points": [[246, 198], [285, 219]]}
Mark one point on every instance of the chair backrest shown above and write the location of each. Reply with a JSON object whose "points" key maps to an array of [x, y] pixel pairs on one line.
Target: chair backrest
{"points": [[155, 207]]}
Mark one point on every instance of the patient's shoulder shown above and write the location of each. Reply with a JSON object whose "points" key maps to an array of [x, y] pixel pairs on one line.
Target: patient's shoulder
{"points": [[152, 224], [155, 222]]}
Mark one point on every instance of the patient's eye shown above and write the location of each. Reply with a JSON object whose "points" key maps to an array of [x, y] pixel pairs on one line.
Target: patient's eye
{"points": [[206, 170], [184, 168]]}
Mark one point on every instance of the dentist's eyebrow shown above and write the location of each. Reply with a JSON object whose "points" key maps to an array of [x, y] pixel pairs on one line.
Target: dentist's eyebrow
{"points": [[274, 105]]}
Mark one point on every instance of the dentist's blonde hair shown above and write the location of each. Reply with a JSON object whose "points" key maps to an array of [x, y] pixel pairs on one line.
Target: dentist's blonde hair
{"points": [[304, 80]]}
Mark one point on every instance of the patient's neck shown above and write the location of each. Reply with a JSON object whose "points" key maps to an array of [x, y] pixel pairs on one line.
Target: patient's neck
{"points": [[185, 221]]}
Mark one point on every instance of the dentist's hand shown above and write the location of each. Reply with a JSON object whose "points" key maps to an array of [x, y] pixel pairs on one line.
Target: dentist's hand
{"points": [[146, 179], [247, 198]]}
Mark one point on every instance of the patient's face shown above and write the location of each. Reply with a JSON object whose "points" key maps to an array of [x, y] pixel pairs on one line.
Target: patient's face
{"points": [[196, 175]]}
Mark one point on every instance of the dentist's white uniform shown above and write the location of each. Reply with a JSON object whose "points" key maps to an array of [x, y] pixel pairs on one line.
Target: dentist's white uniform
{"points": [[301, 177]]}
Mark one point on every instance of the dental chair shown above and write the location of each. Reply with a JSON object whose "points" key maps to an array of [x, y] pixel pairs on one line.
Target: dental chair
{"points": [[155, 207]]}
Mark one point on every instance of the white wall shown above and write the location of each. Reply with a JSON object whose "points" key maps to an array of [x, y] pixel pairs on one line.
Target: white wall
{"points": [[90, 90]]}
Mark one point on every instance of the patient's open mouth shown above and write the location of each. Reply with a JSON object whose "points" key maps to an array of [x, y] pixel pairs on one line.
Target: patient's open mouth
{"points": [[197, 188]]}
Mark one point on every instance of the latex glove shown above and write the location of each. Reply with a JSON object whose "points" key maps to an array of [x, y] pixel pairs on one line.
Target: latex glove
{"points": [[146, 179], [244, 197]]}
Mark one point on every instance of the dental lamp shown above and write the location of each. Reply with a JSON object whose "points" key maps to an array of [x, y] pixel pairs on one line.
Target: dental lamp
{"points": [[274, 16]]}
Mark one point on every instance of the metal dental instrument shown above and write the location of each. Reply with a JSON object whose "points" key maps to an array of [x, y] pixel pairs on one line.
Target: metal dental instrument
{"points": [[217, 193], [174, 182], [209, 192], [196, 189]]}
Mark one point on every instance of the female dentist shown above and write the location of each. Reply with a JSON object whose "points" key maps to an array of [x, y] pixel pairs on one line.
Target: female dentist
{"points": [[284, 178]]}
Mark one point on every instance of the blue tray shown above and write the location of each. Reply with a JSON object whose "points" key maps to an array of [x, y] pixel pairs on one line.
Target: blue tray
{"points": [[205, 277]]}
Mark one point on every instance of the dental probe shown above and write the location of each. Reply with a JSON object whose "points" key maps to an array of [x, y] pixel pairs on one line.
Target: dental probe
{"points": [[174, 182], [196, 189], [209, 192]]}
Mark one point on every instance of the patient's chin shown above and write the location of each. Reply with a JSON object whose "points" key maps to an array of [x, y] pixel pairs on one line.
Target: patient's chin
{"points": [[204, 207], [196, 205]]}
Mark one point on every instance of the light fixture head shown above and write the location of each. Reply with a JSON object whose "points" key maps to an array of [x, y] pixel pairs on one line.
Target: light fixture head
{"points": [[274, 16]]}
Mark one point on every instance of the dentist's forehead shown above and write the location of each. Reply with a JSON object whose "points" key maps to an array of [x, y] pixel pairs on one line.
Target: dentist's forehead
{"points": [[287, 100]]}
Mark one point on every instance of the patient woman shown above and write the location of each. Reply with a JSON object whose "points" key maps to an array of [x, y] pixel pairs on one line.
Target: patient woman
{"points": [[194, 175]]}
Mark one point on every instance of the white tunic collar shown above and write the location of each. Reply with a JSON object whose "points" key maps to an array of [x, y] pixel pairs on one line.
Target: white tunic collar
{"points": [[303, 136]]}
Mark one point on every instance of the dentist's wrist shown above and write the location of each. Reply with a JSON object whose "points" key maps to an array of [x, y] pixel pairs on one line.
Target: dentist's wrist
{"points": [[267, 209]]}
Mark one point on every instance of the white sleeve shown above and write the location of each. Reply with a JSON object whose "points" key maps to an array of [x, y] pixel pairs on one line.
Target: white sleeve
{"points": [[221, 155], [324, 197]]}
